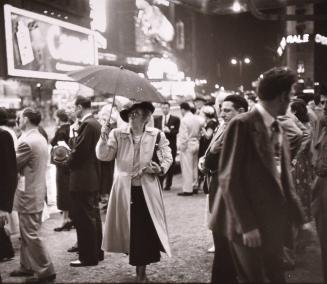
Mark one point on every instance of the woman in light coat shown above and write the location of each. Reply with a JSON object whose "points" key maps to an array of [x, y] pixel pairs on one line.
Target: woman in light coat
{"points": [[136, 222]]}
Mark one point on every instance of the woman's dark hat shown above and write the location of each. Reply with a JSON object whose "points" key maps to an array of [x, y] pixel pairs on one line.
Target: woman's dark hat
{"points": [[60, 154], [128, 107]]}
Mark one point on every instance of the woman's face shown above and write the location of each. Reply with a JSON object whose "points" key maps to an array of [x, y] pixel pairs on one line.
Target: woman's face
{"points": [[136, 117]]}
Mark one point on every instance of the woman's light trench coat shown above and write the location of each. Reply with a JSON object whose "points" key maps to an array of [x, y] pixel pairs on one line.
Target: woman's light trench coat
{"points": [[120, 146]]}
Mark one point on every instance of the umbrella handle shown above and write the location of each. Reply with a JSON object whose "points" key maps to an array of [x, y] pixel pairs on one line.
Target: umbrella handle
{"points": [[113, 103]]}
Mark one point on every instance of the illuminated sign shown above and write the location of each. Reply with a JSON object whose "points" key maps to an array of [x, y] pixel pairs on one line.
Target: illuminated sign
{"points": [[42, 47], [321, 39], [299, 39]]}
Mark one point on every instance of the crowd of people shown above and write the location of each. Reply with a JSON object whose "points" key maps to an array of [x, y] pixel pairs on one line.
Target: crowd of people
{"points": [[259, 157]]}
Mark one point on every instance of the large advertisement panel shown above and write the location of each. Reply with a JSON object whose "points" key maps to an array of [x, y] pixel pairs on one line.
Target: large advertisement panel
{"points": [[42, 47]]}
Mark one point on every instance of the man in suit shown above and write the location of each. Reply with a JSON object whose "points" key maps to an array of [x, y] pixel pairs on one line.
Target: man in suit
{"points": [[169, 124], [188, 144], [232, 105], [256, 195], [32, 158], [84, 186]]}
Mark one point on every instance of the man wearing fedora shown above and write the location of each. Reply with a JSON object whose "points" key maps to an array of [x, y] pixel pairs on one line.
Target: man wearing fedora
{"points": [[84, 186]]}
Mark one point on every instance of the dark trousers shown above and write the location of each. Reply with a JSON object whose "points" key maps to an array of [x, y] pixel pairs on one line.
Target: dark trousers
{"points": [[86, 217], [169, 175], [6, 249], [256, 265], [223, 270]]}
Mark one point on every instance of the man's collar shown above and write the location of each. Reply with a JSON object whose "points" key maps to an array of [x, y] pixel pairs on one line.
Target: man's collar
{"points": [[85, 117], [268, 119]]}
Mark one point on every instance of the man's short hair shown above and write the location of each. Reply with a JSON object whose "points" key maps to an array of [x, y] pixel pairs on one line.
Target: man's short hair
{"points": [[166, 103], [185, 106], [62, 115], [238, 102], [274, 82], [83, 101], [33, 115]]}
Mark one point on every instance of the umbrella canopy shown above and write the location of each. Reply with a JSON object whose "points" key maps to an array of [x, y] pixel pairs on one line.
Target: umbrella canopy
{"points": [[117, 81]]}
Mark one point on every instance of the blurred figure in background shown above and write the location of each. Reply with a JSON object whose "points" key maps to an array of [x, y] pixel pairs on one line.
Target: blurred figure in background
{"points": [[210, 125], [188, 144], [169, 124], [61, 138], [107, 168]]}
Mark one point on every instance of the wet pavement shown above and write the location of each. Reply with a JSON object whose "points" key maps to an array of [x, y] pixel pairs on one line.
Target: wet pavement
{"points": [[189, 240]]}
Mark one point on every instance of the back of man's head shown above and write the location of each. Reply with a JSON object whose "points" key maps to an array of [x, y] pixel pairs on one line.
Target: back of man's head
{"points": [[83, 101], [274, 82], [238, 102], [33, 115], [185, 106]]}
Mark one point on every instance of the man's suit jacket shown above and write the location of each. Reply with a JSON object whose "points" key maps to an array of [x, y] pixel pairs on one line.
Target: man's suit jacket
{"points": [[212, 156], [8, 170], [32, 159], [251, 195], [173, 125], [83, 163]]}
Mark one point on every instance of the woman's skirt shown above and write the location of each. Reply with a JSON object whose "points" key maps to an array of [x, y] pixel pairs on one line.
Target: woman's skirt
{"points": [[145, 245]]}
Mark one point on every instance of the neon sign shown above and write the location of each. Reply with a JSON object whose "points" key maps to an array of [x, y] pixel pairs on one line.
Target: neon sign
{"points": [[300, 39]]}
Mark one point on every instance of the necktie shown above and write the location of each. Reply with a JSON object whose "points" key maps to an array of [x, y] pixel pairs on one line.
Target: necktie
{"points": [[276, 143], [166, 120]]}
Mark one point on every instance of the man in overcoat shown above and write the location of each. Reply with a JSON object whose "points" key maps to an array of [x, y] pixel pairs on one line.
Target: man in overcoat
{"points": [[84, 186], [169, 124], [8, 183], [256, 195]]}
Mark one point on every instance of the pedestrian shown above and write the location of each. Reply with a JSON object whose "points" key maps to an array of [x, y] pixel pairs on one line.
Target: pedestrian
{"points": [[188, 144], [84, 186], [169, 124], [8, 183], [135, 221], [61, 138], [32, 158], [256, 192], [222, 271], [210, 125], [319, 193]]}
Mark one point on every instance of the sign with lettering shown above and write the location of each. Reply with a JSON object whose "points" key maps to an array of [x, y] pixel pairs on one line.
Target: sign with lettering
{"points": [[42, 47]]}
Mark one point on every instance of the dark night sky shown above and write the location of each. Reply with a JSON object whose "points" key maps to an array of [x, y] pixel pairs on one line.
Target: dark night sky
{"points": [[221, 37]]}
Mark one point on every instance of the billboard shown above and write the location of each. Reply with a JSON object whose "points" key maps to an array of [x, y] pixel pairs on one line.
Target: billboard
{"points": [[38, 46]]}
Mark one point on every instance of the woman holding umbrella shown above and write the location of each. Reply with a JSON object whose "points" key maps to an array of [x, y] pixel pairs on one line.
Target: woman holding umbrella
{"points": [[135, 222]]}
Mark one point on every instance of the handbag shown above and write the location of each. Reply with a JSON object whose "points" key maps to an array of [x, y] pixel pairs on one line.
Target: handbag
{"points": [[155, 157]]}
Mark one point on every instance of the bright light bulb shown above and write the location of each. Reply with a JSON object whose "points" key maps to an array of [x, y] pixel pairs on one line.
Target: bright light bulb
{"points": [[236, 7], [233, 61], [247, 60]]}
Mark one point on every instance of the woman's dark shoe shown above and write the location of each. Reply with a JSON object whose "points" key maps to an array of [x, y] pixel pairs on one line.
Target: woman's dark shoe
{"points": [[66, 227]]}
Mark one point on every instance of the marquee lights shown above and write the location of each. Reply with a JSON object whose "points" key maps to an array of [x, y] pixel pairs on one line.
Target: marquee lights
{"points": [[300, 39]]}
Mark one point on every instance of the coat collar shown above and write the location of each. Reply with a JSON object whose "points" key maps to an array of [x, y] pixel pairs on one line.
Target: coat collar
{"points": [[262, 144]]}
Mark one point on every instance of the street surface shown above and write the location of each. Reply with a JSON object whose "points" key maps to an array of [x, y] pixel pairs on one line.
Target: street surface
{"points": [[189, 239]]}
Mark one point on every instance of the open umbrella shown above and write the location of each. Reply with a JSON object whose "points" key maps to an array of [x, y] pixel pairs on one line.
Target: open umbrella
{"points": [[117, 81]]}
